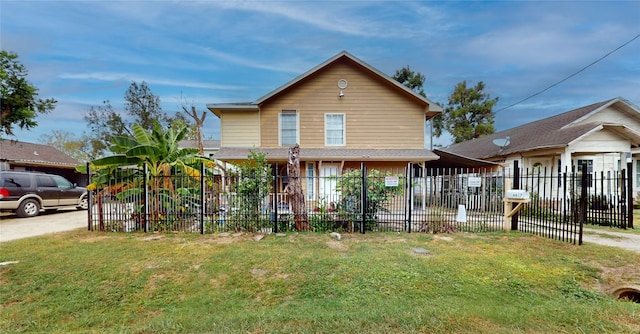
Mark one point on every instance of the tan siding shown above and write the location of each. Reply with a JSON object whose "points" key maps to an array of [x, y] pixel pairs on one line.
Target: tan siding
{"points": [[240, 129], [376, 114]]}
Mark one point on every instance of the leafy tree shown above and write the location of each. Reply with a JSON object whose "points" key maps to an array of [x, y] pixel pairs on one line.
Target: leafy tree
{"points": [[468, 115], [66, 142], [141, 107], [254, 185], [20, 103], [350, 187], [104, 124], [412, 80], [144, 106]]}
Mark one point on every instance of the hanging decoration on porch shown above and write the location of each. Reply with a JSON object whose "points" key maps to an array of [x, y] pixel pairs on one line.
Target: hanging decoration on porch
{"points": [[294, 190]]}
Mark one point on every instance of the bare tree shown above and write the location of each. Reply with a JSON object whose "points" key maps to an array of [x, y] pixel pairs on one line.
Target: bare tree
{"points": [[199, 123], [294, 190]]}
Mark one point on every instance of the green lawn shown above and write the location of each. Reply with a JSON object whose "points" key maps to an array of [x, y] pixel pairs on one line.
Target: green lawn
{"points": [[92, 282]]}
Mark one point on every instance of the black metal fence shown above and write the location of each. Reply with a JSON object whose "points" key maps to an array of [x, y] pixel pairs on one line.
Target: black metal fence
{"points": [[562, 203], [358, 200], [408, 199]]}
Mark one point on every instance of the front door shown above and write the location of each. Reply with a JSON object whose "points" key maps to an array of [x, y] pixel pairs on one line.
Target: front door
{"points": [[327, 182]]}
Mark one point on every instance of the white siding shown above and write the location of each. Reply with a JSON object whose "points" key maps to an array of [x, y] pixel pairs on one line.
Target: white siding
{"points": [[601, 141], [613, 115]]}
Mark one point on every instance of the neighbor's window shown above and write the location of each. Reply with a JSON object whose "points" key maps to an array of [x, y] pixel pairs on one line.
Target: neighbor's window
{"points": [[589, 171], [334, 129], [589, 164], [288, 127], [638, 173]]}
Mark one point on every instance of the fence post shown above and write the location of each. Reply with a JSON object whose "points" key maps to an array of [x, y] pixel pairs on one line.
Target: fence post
{"points": [[410, 194], [516, 185], [629, 196], [363, 198], [275, 199], [584, 177], [203, 204], [89, 200], [145, 217]]}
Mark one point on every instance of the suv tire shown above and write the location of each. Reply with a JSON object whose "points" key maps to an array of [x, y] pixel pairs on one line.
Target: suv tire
{"points": [[84, 203], [28, 208]]}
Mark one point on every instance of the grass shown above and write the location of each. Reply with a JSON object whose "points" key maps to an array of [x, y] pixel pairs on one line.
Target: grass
{"points": [[91, 282]]}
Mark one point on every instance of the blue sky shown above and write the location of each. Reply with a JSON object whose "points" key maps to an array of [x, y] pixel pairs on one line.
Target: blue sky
{"points": [[84, 52]]}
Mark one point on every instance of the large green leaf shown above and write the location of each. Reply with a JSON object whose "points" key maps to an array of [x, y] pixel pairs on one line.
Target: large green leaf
{"points": [[142, 135], [117, 160], [123, 144], [144, 152]]}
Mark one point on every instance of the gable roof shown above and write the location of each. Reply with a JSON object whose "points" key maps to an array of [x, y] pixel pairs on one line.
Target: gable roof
{"points": [[553, 132], [34, 154], [434, 108]]}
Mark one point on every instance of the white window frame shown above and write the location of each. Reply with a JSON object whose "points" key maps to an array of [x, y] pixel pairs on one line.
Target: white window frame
{"points": [[326, 129], [637, 172], [311, 181], [280, 128]]}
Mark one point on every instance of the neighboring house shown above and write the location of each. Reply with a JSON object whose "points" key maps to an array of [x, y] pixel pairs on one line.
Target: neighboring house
{"points": [[604, 136], [341, 113], [21, 156], [210, 147]]}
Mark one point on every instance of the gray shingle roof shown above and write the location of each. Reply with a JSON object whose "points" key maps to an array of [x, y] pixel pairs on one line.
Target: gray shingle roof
{"points": [[207, 144], [551, 132], [29, 153], [327, 154]]}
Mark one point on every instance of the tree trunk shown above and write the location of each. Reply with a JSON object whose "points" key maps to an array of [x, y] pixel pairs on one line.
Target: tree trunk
{"points": [[199, 123], [294, 191]]}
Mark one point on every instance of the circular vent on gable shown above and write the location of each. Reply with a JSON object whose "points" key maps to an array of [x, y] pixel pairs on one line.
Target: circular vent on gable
{"points": [[342, 83]]}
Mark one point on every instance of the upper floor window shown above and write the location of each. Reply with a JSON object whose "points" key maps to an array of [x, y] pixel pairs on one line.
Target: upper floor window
{"points": [[334, 129], [288, 128]]}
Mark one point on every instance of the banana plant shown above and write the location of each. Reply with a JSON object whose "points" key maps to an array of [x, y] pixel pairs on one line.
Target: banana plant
{"points": [[157, 149]]}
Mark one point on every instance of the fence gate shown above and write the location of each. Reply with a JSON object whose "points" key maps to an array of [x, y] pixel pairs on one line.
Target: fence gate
{"points": [[562, 203]]}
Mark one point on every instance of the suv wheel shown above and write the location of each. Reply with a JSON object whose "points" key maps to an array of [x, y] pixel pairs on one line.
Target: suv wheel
{"points": [[28, 208], [84, 204]]}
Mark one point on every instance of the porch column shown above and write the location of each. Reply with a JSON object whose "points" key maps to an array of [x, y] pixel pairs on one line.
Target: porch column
{"points": [[565, 160]]}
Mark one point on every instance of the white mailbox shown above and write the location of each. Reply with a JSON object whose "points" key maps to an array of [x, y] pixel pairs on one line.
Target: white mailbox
{"points": [[517, 194]]}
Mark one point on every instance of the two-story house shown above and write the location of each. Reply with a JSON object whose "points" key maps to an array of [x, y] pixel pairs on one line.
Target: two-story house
{"points": [[341, 113]]}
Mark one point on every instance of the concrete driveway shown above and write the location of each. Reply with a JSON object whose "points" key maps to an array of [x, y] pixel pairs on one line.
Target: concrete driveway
{"points": [[12, 228]]}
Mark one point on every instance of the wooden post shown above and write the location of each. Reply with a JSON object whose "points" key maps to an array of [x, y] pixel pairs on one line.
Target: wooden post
{"points": [[511, 206], [294, 190], [507, 206]]}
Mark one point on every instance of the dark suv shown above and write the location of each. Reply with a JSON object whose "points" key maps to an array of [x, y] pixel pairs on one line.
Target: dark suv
{"points": [[26, 193]]}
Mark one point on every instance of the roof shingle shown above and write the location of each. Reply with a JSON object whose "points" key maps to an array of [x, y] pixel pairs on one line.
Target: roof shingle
{"points": [[29, 153], [551, 132]]}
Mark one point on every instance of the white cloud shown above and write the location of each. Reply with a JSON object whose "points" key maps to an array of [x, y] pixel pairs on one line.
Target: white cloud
{"points": [[128, 77]]}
